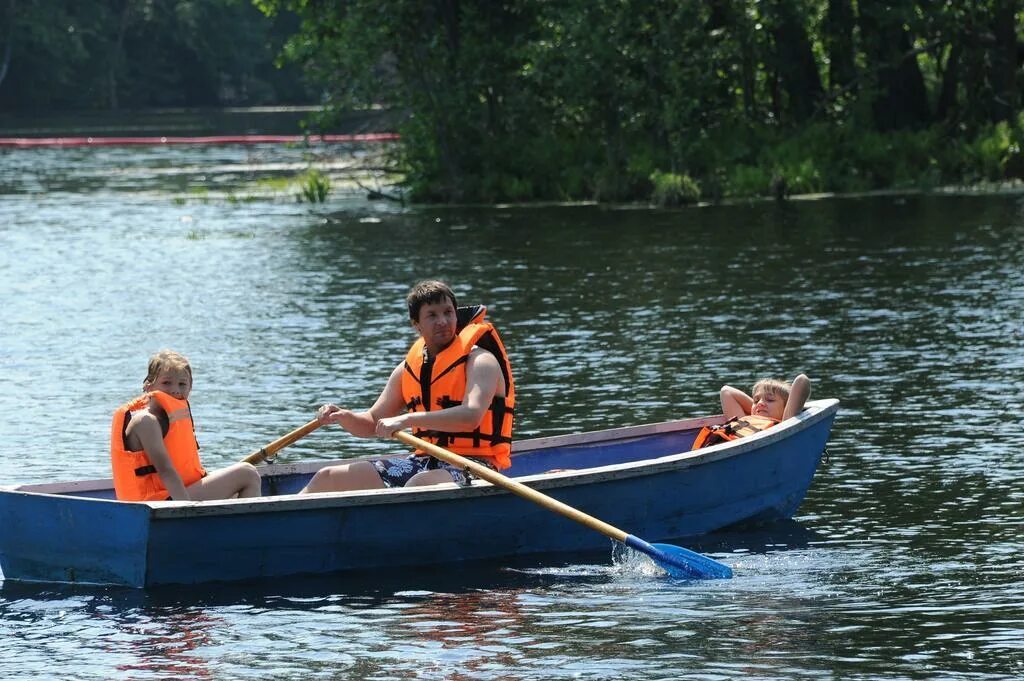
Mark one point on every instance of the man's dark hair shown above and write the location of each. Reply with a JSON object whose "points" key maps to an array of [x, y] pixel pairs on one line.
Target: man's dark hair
{"points": [[429, 291]]}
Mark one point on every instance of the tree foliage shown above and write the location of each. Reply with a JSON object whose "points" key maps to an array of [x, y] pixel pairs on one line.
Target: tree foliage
{"points": [[527, 99], [108, 54], [523, 99]]}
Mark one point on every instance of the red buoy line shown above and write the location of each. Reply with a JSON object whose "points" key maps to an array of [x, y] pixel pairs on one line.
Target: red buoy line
{"points": [[213, 139]]}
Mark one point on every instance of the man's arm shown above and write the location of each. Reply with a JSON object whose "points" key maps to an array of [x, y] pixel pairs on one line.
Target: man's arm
{"points": [[483, 378], [364, 423]]}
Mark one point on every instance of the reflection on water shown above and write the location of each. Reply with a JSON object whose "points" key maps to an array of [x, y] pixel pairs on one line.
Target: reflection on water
{"points": [[904, 561]]}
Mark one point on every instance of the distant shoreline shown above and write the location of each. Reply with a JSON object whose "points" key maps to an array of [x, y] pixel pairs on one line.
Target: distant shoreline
{"points": [[36, 142], [199, 122]]}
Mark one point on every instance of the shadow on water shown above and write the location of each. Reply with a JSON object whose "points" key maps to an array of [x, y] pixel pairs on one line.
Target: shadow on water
{"points": [[758, 538], [481, 615], [367, 588]]}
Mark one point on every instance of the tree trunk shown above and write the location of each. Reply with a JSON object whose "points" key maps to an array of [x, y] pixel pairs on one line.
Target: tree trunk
{"points": [[9, 43], [1003, 60], [117, 56], [723, 15], [900, 99], [449, 10], [838, 37], [795, 60], [946, 107]]}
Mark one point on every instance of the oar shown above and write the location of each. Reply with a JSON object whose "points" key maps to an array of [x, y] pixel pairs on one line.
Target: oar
{"points": [[281, 442], [675, 560]]}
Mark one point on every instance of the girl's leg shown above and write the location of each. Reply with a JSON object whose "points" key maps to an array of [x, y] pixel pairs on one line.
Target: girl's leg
{"points": [[240, 479]]}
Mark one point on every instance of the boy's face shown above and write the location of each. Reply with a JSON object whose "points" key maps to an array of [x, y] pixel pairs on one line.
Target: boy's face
{"points": [[175, 382], [768, 403], [436, 323]]}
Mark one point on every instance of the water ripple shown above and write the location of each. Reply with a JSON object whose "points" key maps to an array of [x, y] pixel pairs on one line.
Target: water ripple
{"points": [[903, 563]]}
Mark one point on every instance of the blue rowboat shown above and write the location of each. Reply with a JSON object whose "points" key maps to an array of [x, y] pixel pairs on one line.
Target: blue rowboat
{"points": [[643, 479]]}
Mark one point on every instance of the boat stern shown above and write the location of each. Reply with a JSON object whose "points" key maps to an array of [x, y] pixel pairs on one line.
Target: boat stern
{"points": [[56, 538]]}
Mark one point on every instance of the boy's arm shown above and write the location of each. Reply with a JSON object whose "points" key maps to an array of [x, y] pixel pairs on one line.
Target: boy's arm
{"points": [[798, 394], [482, 376], [735, 402], [146, 427]]}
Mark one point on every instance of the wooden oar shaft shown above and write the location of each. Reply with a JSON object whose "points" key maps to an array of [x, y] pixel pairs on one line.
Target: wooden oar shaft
{"points": [[495, 478], [281, 442]]}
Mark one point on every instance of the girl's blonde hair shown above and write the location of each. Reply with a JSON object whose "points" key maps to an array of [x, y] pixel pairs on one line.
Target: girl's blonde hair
{"points": [[167, 360], [772, 386]]}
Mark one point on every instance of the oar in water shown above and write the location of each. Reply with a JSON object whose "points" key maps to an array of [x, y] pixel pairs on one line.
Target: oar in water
{"points": [[281, 442], [675, 560]]}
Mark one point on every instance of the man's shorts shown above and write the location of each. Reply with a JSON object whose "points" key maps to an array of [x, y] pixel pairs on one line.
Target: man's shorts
{"points": [[398, 471]]}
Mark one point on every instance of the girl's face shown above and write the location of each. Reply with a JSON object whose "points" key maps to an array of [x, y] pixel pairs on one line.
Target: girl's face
{"points": [[768, 403], [175, 382]]}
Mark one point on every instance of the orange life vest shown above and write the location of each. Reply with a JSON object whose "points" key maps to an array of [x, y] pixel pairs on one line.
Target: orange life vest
{"points": [[439, 382], [734, 428], [135, 477]]}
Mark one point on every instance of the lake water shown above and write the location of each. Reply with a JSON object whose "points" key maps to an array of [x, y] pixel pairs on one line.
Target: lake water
{"points": [[906, 560]]}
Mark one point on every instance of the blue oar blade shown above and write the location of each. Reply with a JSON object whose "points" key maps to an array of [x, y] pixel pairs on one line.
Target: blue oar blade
{"points": [[708, 567], [680, 562]]}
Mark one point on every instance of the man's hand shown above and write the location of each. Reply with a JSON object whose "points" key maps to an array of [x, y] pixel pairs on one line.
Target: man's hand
{"points": [[331, 413], [387, 427]]}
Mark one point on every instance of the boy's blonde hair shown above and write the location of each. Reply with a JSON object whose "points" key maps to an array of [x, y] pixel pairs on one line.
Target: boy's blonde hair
{"points": [[772, 386], [167, 360]]}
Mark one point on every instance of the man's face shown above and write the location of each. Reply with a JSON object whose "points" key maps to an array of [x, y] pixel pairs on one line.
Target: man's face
{"points": [[436, 323]]}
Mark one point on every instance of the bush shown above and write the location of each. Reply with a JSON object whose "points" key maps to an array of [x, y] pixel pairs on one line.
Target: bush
{"points": [[671, 189], [800, 177], [314, 186], [747, 180], [996, 152]]}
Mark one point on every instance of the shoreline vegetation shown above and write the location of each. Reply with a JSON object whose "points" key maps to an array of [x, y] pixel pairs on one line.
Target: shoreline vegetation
{"points": [[637, 101], [676, 103], [828, 160], [814, 163]]}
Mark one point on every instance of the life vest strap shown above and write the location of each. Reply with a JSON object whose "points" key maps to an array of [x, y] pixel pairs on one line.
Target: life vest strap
{"points": [[145, 470], [446, 438], [424, 378], [498, 411], [734, 428], [459, 362], [445, 401]]}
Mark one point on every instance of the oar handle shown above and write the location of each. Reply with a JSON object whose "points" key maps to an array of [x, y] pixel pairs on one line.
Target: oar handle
{"points": [[281, 442], [496, 478]]}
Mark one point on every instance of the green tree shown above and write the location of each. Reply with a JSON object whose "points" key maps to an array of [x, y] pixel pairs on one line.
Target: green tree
{"points": [[107, 54]]}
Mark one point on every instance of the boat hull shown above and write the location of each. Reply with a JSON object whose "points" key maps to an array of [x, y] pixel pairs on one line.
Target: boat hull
{"points": [[641, 479]]}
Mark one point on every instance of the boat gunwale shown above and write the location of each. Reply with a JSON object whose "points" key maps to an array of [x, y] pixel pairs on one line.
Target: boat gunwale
{"points": [[814, 412]]}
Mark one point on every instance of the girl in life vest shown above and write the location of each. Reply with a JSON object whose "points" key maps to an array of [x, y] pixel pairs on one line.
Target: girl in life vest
{"points": [[770, 402], [153, 451]]}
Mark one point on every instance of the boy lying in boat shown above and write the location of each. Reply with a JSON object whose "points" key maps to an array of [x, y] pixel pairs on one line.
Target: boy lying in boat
{"points": [[771, 401], [153, 450], [454, 389]]}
